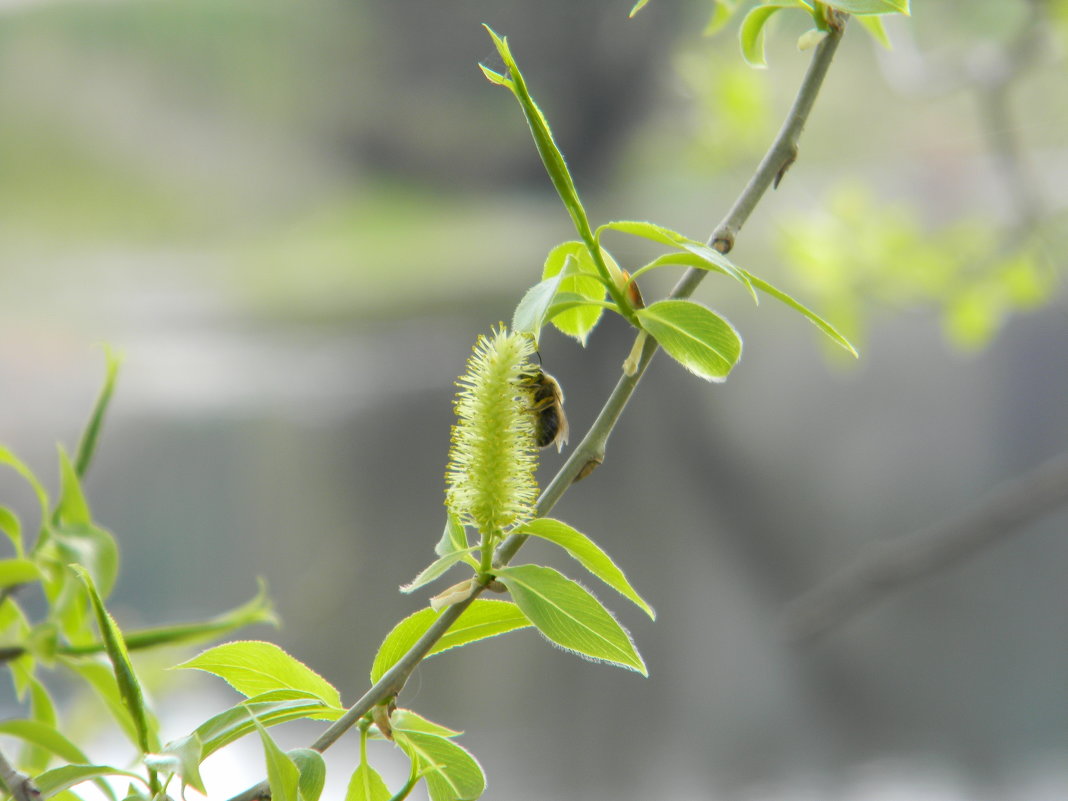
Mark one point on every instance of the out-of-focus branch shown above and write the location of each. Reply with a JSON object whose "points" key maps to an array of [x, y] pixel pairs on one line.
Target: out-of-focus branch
{"points": [[891, 566], [18, 784]]}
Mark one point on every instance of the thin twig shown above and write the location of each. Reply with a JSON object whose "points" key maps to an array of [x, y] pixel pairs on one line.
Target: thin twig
{"points": [[889, 566], [590, 451], [18, 784]]}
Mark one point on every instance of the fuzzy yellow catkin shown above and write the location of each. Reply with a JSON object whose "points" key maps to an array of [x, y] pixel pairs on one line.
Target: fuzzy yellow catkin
{"points": [[490, 474]]}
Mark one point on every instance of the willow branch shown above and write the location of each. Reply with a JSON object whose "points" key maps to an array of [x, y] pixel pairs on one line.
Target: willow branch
{"points": [[890, 566], [590, 452], [19, 785]]}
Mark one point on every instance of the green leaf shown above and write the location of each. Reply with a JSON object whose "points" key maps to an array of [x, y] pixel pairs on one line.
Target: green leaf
{"points": [[257, 610], [694, 336], [453, 538], [88, 440], [813, 318], [451, 772], [12, 461], [481, 620], [253, 667], [407, 720], [10, 525], [93, 548], [35, 759], [268, 709], [283, 775], [569, 616], [102, 679], [531, 313], [437, 568], [874, 26], [722, 11], [312, 769], [638, 7], [588, 554], [870, 6], [18, 571], [580, 278], [367, 785], [47, 738], [181, 757], [129, 687], [73, 508], [57, 780], [665, 236], [752, 31], [550, 154]]}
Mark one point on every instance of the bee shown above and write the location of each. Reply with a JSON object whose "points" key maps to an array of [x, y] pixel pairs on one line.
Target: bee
{"points": [[550, 422]]}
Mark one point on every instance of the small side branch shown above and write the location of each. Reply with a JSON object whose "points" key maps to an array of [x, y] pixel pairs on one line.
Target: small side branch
{"points": [[18, 784], [891, 566]]}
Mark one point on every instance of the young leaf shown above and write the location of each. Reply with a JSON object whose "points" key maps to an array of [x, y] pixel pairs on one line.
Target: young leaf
{"points": [[870, 6], [252, 667], [722, 12], [312, 769], [453, 538], [18, 571], [530, 315], [72, 508], [57, 780], [813, 318], [874, 26], [94, 549], [437, 568], [46, 737], [694, 336], [551, 156], [752, 31], [580, 277], [102, 679], [569, 616], [282, 773], [129, 686], [367, 785], [451, 772], [481, 620], [10, 525], [267, 709], [665, 236], [257, 610], [588, 554], [638, 7], [12, 461], [87, 443], [182, 758], [407, 720]]}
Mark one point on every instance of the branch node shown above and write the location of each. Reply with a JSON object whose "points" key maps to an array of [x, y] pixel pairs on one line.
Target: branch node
{"points": [[723, 240], [791, 157], [591, 464]]}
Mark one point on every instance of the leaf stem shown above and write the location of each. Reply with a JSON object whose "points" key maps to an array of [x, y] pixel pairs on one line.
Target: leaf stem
{"points": [[590, 452]]}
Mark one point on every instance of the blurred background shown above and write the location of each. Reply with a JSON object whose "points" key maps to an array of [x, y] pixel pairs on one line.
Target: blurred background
{"points": [[295, 219]]}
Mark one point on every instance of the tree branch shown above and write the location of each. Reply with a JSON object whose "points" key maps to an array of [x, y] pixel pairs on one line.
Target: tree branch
{"points": [[18, 784], [590, 452], [889, 566]]}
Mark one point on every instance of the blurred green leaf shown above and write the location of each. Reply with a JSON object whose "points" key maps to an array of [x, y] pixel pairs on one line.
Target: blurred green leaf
{"points": [[101, 678], [722, 11], [588, 554], [367, 785], [87, 443], [481, 620], [34, 759], [73, 508], [752, 34], [694, 336], [54, 781], [47, 738], [451, 772], [282, 773], [9, 458], [126, 679], [252, 667], [93, 548], [874, 26], [182, 758], [638, 7], [12, 528], [18, 571], [312, 769], [569, 616], [436, 569]]}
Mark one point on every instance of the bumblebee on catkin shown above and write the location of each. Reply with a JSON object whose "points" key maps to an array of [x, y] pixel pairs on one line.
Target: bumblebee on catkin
{"points": [[490, 475]]}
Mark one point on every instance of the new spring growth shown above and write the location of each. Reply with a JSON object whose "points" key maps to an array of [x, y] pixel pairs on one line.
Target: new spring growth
{"points": [[490, 475]]}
